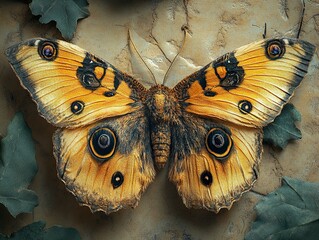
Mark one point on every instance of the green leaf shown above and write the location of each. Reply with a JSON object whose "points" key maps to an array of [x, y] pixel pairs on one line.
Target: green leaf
{"points": [[291, 212], [283, 129], [65, 13], [36, 231], [17, 168]]}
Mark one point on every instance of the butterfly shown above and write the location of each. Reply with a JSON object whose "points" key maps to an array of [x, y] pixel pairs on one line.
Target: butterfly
{"points": [[113, 133]]}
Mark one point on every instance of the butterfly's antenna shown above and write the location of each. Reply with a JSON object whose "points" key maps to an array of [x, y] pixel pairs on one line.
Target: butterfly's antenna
{"points": [[265, 31], [185, 30], [301, 19], [130, 39]]}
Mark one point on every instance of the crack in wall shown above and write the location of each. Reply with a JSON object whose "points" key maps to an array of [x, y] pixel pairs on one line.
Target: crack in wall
{"points": [[154, 15], [155, 18], [185, 5], [258, 193], [316, 22], [22, 19], [123, 61], [283, 8], [221, 36], [278, 168], [152, 36], [172, 10], [159, 47]]}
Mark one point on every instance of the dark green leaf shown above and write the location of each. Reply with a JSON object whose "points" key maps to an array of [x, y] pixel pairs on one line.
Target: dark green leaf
{"points": [[57, 233], [283, 129], [291, 212], [36, 231], [17, 168], [32, 231], [65, 13]]}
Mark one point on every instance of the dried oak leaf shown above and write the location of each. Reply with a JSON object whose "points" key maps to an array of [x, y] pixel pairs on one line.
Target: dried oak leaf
{"points": [[65, 13], [36, 231], [283, 128], [17, 168], [291, 212]]}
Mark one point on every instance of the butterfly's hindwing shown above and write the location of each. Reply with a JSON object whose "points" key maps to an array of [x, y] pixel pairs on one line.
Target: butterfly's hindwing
{"points": [[214, 163], [106, 165]]}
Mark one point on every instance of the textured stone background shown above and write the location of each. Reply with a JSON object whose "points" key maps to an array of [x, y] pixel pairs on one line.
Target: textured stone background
{"points": [[215, 28]]}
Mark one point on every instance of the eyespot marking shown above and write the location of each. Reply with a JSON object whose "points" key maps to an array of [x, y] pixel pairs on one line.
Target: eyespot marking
{"points": [[206, 178], [89, 81], [245, 106], [92, 72], [102, 144], [275, 49], [218, 143], [117, 179], [226, 68], [77, 107], [48, 50]]}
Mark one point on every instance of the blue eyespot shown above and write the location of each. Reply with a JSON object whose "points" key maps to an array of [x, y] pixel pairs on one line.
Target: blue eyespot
{"points": [[275, 49], [47, 50]]}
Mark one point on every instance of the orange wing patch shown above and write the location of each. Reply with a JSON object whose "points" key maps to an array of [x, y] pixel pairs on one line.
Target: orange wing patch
{"points": [[71, 87]]}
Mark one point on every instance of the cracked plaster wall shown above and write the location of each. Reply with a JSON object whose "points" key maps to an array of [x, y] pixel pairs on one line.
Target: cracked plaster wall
{"points": [[215, 27]]}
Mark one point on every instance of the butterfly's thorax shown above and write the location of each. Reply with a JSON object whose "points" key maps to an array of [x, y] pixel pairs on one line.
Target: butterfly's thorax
{"points": [[163, 109]]}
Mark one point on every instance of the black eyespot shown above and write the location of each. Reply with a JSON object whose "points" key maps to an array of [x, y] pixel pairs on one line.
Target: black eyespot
{"points": [[109, 93], [231, 80], [117, 179], [245, 106], [218, 143], [209, 93], [206, 178], [77, 107], [275, 49], [228, 71], [47, 50], [102, 144], [89, 81]]}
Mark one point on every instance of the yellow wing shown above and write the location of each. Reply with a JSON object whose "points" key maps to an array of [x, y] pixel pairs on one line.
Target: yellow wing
{"points": [[72, 87], [219, 164], [106, 165], [250, 85]]}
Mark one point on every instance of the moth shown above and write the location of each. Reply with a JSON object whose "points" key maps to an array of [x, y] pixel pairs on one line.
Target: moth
{"points": [[113, 133]]}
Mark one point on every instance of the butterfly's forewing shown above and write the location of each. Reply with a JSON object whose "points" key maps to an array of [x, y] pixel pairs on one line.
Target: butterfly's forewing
{"points": [[106, 165], [250, 85], [72, 87], [242, 91]]}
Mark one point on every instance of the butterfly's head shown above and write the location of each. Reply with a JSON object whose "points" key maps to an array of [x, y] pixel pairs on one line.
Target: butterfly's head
{"points": [[162, 104]]}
